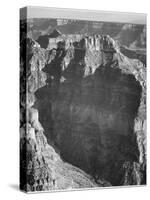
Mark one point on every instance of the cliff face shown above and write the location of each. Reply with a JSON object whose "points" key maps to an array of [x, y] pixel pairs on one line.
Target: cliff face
{"points": [[93, 116], [41, 168]]}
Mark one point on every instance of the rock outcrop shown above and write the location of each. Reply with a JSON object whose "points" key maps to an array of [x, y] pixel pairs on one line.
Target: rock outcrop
{"points": [[93, 117]]}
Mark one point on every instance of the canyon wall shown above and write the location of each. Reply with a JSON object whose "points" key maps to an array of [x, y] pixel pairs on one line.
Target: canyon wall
{"points": [[41, 167]]}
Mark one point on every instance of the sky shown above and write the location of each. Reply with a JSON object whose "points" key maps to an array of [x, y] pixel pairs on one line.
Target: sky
{"points": [[91, 15]]}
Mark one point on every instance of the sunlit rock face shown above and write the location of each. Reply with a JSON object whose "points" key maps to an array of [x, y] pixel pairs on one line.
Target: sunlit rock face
{"points": [[94, 116]]}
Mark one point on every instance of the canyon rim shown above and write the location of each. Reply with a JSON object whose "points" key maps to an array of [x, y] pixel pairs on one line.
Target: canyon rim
{"points": [[82, 104]]}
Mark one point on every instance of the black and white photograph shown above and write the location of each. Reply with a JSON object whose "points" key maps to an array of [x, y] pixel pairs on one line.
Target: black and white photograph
{"points": [[82, 99]]}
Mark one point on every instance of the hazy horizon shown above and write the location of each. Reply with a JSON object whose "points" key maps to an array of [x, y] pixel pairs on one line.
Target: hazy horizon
{"points": [[90, 15]]}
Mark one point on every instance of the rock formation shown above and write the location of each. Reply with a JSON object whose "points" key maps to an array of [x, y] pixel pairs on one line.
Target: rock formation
{"points": [[81, 113], [134, 54]]}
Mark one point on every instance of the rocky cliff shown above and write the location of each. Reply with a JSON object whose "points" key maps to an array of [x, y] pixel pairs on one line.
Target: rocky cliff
{"points": [[41, 168], [82, 113]]}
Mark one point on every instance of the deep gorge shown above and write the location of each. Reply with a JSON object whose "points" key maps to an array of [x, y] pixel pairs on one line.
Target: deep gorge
{"points": [[90, 119], [91, 116]]}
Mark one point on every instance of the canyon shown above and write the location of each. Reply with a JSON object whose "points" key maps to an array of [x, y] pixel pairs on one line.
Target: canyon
{"points": [[83, 125]]}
